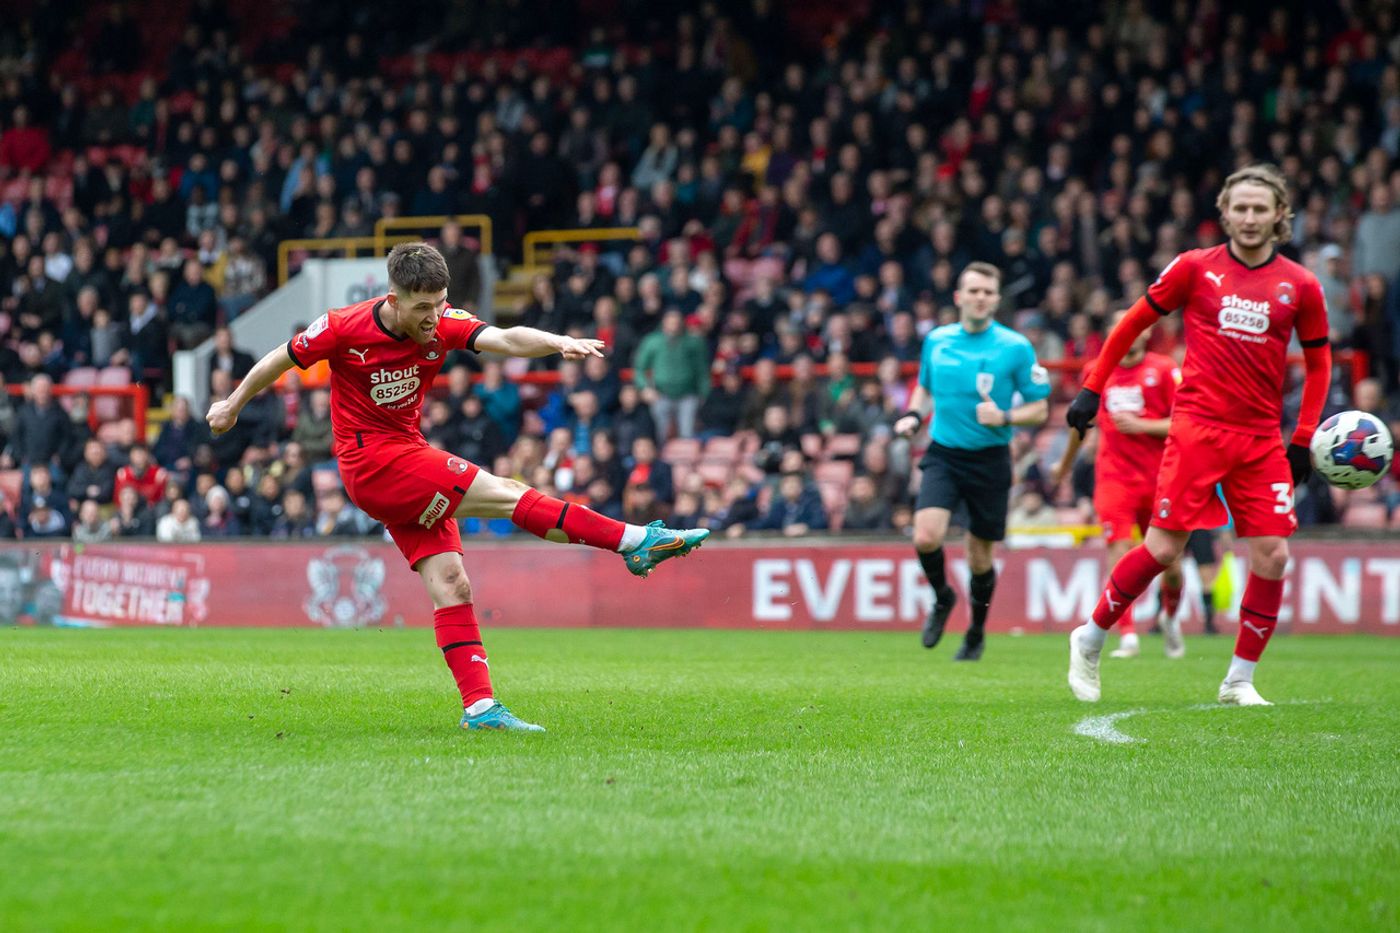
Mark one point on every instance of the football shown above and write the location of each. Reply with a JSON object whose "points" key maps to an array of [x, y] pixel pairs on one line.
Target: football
{"points": [[1352, 449]]}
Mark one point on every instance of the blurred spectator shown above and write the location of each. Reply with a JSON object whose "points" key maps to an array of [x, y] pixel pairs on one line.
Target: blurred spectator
{"points": [[142, 474], [227, 358], [1031, 510], [219, 520], [44, 520], [296, 520], [672, 370], [90, 528], [94, 478], [1378, 236], [180, 437], [644, 467], [501, 399], [338, 518], [865, 510], [193, 307], [179, 526], [42, 428], [464, 286], [134, 517], [313, 430], [796, 509]]}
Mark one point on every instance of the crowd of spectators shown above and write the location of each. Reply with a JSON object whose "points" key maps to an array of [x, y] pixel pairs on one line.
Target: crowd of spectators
{"points": [[804, 206]]}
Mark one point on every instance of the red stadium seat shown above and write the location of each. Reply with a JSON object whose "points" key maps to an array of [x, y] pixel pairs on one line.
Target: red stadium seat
{"points": [[684, 450], [843, 446], [81, 377], [114, 376], [834, 471], [11, 482], [722, 449], [715, 474]]}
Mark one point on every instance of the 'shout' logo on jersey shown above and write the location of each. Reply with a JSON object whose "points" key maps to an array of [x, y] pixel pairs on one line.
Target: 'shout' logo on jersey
{"points": [[1124, 399], [394, 385], [1242, 314]]}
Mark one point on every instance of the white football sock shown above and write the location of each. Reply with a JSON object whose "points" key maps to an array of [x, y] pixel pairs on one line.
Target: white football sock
{"points": [[632, 538], [480, 706], [1091, 635], [1240, 670]]}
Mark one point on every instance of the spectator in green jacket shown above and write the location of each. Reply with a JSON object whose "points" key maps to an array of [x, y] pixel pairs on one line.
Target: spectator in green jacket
{"points": [[672, 370]]}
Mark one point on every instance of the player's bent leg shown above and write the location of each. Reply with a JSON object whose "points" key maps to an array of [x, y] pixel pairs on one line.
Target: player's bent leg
{"points": [[459, 637], [930, 529], [552, 519], [1263, 595], [981, 585], [1173, 644], [1126, 582]]}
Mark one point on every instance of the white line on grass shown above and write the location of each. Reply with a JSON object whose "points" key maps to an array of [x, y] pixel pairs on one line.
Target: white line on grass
{"points": [[1105, 728]]}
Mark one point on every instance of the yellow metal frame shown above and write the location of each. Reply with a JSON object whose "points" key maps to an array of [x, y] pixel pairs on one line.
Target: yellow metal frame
{"points": [[538, 238], [349, 245], [384, 225]]}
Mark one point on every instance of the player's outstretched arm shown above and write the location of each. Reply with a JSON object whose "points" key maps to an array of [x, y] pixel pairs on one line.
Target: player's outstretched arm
{"points": [[1085, 406], [529, 342], [222, 415]]}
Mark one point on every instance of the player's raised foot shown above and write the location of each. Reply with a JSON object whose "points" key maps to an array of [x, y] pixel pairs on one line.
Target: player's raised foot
{"points": [[499, 719], [1128, 647], [1172, 642], [946, 599], [1083, 666], [1241, 693], [971, 648], [662, 543]]}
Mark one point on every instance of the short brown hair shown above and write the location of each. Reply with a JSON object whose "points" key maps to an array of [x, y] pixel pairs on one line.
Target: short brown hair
{"points": [[981, 268], [417, 267], [1270, 177]]}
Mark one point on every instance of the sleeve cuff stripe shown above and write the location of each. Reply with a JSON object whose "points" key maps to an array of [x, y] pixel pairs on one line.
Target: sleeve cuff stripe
{"points": [[471, 341], [293, 354], [1155, 306], [1313, 344]]}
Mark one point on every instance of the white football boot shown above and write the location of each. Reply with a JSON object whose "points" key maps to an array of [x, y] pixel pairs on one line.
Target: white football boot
{"points": [[1241, 693], [1172, 641], [1083, 667], [1127, 647]]}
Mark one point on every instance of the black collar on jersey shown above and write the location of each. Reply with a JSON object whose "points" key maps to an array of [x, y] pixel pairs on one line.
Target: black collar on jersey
{"points": [[1273, 254], [379, 322]]}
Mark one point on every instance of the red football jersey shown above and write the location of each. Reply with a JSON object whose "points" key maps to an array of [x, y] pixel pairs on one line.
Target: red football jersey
{"points": [[1238, 320], [377, 377], [1146, 390]]}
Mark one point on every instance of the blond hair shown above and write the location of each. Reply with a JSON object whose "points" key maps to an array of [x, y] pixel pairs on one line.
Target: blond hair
{"points": [[1270, 177]]}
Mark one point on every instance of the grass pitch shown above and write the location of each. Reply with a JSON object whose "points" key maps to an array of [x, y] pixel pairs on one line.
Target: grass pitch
{"points": [[692, 779]]}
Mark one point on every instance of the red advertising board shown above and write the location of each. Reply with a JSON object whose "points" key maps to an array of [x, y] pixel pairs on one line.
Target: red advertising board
{"points": [[1331, 586]]}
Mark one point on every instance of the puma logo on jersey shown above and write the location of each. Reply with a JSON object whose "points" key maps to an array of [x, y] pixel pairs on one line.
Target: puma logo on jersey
{"points": [[1217, 278], [360, 353]]}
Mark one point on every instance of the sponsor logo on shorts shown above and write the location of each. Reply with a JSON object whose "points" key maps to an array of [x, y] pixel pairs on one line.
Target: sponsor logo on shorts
{"points": [[457, 465], [1241, 314], [436, 509], [1164, 508]]}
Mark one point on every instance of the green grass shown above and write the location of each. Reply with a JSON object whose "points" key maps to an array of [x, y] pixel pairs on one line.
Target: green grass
{"points": [[716, 780]]}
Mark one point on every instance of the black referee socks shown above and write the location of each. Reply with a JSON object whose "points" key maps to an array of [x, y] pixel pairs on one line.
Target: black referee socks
{"points": [[932, 562], [979, 591]]}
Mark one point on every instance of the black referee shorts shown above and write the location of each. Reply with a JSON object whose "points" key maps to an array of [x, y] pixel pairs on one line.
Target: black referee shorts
{"points": [[979, 479], [1201, 546]]}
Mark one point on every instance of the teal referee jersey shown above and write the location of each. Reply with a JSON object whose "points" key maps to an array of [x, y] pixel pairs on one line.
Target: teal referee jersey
{"points": [[955, 367]]}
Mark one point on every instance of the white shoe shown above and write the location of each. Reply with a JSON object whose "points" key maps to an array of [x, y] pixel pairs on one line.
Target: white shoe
{"points": [[1241, 693], [1172, 641], [1127, 647], [1083, 667]]}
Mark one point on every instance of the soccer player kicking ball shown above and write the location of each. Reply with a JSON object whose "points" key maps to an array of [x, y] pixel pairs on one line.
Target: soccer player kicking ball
{"points": [[383, 354], [1133, 419], [1242, 303], [971, 372]]}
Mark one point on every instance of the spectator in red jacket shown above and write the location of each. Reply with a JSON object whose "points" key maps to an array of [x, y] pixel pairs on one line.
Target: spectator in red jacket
{"points": [[143, 473], [23, 146]]}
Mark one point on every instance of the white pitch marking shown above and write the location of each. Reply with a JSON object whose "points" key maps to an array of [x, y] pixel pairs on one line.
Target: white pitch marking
{"points": [[1105, 728]]}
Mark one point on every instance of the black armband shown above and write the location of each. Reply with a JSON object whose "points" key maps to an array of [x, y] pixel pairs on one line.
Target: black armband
{"points": [[915, 412]]}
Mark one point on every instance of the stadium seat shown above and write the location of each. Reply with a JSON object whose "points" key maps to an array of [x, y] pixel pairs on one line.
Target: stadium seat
{"points": [[110, 430], [812, 446], [114, 376], [715, 474], [1364, 515], [722, 449], [843, 446], [834, 471], [11, 482], [682, 450], [81, 377]]}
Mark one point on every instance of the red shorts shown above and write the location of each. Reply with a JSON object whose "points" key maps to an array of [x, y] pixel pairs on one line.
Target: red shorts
{"points": [[413, 489], [1122, 508], [1252, 471]]}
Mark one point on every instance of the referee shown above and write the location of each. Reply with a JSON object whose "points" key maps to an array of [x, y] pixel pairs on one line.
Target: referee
{"points": [[971, 371]]}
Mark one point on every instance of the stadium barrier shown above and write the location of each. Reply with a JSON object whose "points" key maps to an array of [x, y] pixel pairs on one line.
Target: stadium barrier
{"points": [[431, 225], [862, 585], [538, 245]]}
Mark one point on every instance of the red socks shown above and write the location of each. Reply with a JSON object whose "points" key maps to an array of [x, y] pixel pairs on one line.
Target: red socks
{"points": [[1126, 582], [1258, 616], [460, 640], [559, 521], [1171, 598]]}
